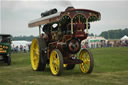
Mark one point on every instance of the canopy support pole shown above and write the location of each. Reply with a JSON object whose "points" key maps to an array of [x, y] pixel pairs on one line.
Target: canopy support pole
{"points": [[39, 30], [87, 25], [72, 26]]}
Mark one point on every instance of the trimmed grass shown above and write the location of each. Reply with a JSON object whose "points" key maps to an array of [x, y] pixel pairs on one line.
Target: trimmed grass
{"points": [[110, 68]]}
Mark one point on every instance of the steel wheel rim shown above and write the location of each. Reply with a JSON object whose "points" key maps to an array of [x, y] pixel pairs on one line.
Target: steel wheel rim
{"points": [[54, 62], [34, 54], [85, 57]]}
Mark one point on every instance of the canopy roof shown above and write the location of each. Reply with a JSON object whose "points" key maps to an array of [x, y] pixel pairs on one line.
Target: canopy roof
{"points": [[88, 14], [5, 35]]}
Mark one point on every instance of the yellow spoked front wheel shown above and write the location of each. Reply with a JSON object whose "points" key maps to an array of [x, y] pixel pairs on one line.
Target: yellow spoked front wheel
{"points": [[88, 61], [56, 62]]}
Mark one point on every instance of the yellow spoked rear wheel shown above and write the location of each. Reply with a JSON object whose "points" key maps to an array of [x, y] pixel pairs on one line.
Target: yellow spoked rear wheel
{"points": [[37, 57], [88, 62], [34, 54], [56, 62]]}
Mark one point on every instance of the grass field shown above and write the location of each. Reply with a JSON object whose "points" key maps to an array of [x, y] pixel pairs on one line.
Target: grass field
{"points": [[111, 68]]}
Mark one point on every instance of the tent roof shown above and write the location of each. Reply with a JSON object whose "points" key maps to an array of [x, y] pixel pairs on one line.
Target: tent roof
{"points": [[125, 37]]}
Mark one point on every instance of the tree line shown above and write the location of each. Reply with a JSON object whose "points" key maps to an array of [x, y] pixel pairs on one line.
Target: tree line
{"points": [[27, 38], [114, 34], [110, 34]]}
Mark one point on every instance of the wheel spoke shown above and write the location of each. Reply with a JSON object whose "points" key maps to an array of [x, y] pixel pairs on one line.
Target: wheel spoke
{"points": [[57, 68], [82, 67]]}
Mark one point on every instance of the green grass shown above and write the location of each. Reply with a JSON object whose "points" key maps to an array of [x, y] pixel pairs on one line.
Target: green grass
{"points": [[111, 68]]}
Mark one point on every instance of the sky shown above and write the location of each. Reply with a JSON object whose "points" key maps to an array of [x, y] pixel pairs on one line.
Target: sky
{"points": [[16, 14]]}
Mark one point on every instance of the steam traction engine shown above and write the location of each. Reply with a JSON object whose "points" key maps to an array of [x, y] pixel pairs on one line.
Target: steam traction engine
{"points": [[60, 43]]}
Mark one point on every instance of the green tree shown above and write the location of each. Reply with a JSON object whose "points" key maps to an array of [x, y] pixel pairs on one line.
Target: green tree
{"points": [[114, 34]]}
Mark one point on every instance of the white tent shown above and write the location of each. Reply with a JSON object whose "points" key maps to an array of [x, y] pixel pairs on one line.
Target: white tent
{"points": [[125, 37], [94, 42], [19, 43]]}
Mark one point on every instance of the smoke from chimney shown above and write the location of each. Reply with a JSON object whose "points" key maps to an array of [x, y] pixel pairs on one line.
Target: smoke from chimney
{"points": [[66, 3]]}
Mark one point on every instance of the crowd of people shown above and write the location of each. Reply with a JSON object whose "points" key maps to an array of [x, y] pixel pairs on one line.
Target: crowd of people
{"points": [[108, 43], [20, 48]]}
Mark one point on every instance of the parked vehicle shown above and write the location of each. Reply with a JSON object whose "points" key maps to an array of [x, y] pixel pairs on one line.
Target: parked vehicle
{"points": [[5, 48]]}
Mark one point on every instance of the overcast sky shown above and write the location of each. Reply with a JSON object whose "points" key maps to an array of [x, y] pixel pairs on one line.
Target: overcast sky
{"points": [[16, 14]]}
